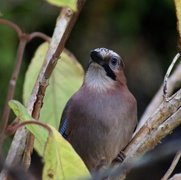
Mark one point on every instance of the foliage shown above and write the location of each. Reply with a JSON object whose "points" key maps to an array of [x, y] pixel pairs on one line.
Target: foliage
{"points": [[67, 77], [61, 161], [70, 3]]}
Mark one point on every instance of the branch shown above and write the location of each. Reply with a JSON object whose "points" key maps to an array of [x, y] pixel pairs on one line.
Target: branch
{"points": [[45, 126], [172, 167], [161, 123], [176, 177], [63, 28], [154, 133], [12, 25], [39, 35], [11, 87], [165, 94], [23, 40], [70, 18], [165, 110], [137, 149]]}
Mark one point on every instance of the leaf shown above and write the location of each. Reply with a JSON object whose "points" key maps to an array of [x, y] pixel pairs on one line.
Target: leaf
{"points": [[66, 78], [19, 110], [60, 157], [40, 134], [68, 3], [61, 160]]}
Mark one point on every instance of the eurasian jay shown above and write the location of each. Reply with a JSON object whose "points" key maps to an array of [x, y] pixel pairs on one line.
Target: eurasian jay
{"points": [[99, 119]]}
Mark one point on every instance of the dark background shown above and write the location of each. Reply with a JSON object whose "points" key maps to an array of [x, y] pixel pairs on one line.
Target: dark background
{"points": [[143, 32]]}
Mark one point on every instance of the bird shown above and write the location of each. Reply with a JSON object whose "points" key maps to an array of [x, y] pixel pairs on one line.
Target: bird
{"points": [[99, 119]]}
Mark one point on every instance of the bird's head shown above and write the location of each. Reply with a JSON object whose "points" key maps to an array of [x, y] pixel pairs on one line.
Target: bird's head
{"points": [[105, 69]]}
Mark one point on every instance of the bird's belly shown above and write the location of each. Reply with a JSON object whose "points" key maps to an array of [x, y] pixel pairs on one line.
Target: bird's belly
{"points": [[100, 129], [96, 143]]}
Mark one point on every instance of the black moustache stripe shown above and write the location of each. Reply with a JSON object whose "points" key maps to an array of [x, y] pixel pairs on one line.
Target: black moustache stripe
{"points": [[109, 71]]}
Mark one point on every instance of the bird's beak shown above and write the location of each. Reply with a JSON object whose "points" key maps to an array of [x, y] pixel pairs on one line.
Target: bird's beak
{"points": [[97, 57]]}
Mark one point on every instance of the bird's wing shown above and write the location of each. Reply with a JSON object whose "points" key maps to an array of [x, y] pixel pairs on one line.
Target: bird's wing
{"points": [[64, 123]]}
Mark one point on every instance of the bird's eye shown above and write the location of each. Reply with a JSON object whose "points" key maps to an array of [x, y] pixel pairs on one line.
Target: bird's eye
{"points": [[114, 61]]}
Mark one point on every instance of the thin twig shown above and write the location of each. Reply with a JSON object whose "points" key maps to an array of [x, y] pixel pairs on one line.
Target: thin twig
{"points": [[165, 94], [12, 25], [39, 35], [24, 39], [173, 83], [36, 123], [11, 88], [172, 166], [55, 48]]}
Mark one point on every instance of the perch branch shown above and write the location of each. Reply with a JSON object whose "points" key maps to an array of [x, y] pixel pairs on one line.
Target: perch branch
{"points": [[137, 149], [172, 167], [165, 110], [161, 123]]}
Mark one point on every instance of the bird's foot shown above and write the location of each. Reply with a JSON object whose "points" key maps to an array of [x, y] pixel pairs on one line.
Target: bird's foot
{"points": [[120, 158]]}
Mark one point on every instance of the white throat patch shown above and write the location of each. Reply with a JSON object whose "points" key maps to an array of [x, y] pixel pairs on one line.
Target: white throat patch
{"points": [[96, 78]]}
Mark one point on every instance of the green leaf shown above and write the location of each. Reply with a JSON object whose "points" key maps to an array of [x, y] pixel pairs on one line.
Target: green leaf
{"points": [[66, 78], [19, 110], [61, 161], [41, 135], [68, 3]]}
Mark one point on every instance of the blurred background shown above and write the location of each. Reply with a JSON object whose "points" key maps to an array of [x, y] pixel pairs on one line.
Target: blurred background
{"points": [[142, 32]]}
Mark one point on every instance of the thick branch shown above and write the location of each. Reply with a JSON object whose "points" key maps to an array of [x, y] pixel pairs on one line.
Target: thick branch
{"points": [[168, 117], [165, 110]]}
